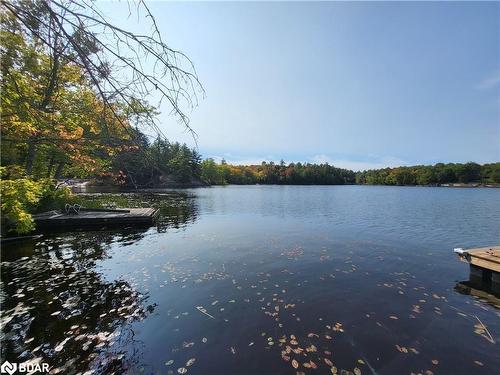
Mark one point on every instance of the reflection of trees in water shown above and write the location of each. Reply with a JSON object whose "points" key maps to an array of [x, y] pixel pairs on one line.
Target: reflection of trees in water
{"points": [[57, 308], [176, 211]]}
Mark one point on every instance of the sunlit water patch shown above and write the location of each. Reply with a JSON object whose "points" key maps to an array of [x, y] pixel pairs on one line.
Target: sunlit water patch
{"points": [[266, 280]]}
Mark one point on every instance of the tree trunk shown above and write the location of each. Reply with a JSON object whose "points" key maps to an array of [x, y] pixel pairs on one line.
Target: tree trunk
{"points": [[51, 166], [59, 170], [31, 157]]}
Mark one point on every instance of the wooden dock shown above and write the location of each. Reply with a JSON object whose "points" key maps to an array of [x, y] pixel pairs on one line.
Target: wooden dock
{"points": [[484, 265], [88, 218]]}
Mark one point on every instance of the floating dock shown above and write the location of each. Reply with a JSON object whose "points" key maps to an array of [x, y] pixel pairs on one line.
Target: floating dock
{"points": [[94, 218], [484, 266]]}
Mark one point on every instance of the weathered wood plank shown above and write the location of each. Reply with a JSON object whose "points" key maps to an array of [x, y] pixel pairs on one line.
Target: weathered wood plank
{"points": [[132, 216], [485, 257]]}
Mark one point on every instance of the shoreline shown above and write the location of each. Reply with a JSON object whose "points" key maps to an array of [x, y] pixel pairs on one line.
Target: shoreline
{"points": [[87, 187]]}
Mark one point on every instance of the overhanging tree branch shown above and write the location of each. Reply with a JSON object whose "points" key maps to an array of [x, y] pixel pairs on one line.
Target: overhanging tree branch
{"points": [[121, 65]]}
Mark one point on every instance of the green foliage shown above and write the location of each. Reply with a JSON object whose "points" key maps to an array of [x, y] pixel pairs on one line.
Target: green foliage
{"points": [[157, 163], [324, 174], [54, 124], [431, 175], [211, 173], [53, 197], [18, 196], [271, 173]]}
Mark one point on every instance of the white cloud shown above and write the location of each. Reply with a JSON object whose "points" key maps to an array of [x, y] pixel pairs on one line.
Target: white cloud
{"points": [[359, 165], [490, 82]]}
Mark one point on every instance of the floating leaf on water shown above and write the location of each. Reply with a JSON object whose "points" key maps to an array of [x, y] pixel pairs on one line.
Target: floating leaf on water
{"points": [[204, 340], [190, 362], [295, 364], [182, 370], [401, 349], [60, 347], [360, 361], [233, 350], [204, 311], [435, 362], [311, 349], [328, 362], [479, 363], [55, 313], [168, 363], [251, 343], [333, 370], [393, 317], [357, 371]]}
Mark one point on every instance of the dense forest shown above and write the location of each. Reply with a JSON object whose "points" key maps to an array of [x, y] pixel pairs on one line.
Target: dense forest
{"points": [[271, 173], [437, 174], [324, 174]]}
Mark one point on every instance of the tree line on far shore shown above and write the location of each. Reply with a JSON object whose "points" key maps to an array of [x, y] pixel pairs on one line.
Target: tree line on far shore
{"points": [[437, 174], [213, 173]]}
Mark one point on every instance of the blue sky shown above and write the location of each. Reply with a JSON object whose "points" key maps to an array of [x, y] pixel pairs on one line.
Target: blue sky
{"points": [[360, 85]]}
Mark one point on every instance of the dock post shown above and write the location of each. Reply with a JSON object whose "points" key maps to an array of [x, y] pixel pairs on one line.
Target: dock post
{"points": [[495, 282], [479, 275]]}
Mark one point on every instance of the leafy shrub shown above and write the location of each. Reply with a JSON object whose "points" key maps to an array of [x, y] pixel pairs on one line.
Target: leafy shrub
{"points": [[17, 196], [53, 197], [23, 196]]}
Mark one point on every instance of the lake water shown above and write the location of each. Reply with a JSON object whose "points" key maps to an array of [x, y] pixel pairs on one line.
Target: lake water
{"points": [[262, 280]]}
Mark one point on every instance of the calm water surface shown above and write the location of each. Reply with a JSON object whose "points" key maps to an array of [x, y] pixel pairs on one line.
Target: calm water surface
{"points": [[261, 280]]}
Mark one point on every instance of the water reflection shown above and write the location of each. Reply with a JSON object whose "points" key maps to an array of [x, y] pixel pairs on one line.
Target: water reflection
{"points": [[302, 279], [57, 308], [178, 209], [479, 291]]}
